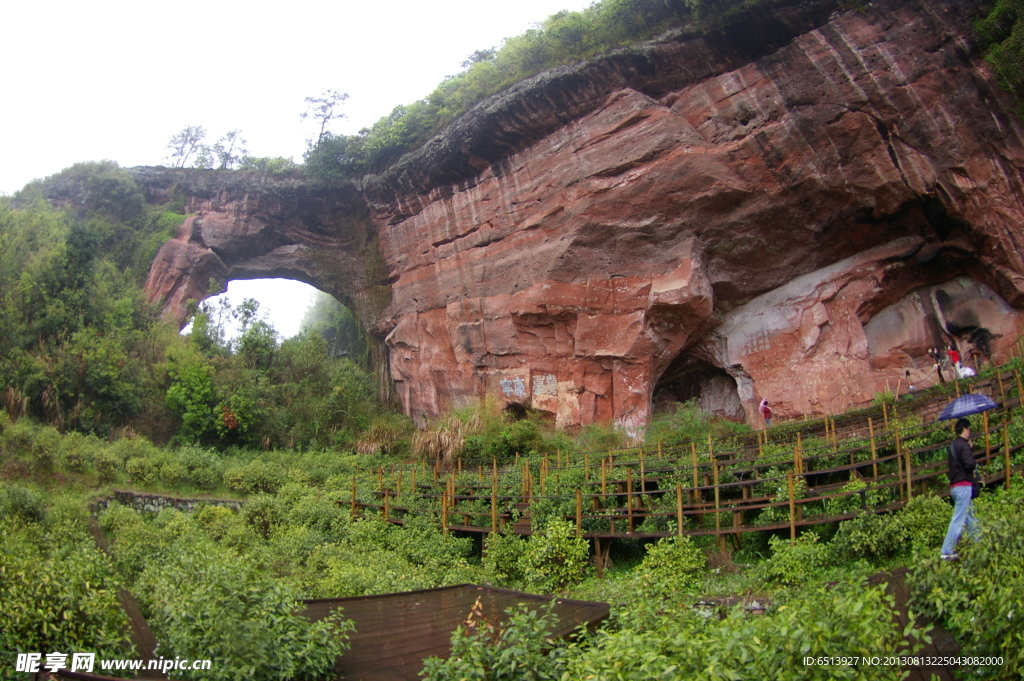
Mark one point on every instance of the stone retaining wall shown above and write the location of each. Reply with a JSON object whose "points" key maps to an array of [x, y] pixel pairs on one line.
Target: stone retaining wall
{"points": [[154, 503]]}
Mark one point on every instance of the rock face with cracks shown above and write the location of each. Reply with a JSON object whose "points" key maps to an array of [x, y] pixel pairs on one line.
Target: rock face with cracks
{"points": [[796, 208]]}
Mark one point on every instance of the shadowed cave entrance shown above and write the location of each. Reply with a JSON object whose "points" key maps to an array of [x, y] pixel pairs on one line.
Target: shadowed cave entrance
{"points": [[689, 377]]}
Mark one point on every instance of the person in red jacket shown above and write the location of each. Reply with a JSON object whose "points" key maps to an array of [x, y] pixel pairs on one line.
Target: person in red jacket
{"points": [[766, 412]]}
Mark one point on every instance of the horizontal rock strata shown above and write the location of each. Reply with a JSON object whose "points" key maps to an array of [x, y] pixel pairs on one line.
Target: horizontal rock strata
{"points": [[796, 209]]}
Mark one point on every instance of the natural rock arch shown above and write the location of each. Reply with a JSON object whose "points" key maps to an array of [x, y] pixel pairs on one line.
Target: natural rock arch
{"points": [[758, 201], [242, 227]]}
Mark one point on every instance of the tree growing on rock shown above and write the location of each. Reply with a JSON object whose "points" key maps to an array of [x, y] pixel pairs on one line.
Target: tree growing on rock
{"points": [[184, 144], [323, 110]]}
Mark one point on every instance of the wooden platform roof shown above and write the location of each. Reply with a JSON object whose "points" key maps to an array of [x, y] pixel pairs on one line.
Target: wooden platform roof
{"points": [[395, 632]]}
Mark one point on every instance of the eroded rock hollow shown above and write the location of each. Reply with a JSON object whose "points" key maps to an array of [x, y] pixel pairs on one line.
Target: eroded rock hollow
{"points": [[796, 209]]}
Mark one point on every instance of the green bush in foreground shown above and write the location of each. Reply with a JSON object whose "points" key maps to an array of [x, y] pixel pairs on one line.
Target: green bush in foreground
{"points": [[204, 603], [552, 559], [851, 617], [979, 598], [794, 563], [517, 650], [671, 565], [57, 590], [207, 605]]}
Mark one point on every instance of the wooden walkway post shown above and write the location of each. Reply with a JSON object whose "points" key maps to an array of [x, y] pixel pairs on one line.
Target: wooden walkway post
{"points": [[1020, 388], [629, 497], [792, 509], [387, 507], [885, 414], [643, 477], [525, 475], [696, 483], [910, 472], [899, 468], [679, 510], [988, 444], [874, 450], [718, 520], [494, 498], [579, 511], [798, 456], [604, 480], [760, 446], [1006, 453], [353, 496], [444, 512]]}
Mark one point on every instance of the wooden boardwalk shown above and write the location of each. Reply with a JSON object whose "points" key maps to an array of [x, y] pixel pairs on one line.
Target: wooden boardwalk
{"points": [[396, 632], [712, 489]]}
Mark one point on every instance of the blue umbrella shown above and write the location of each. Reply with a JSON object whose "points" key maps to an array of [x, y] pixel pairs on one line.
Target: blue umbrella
{"points": [[965, 405]]}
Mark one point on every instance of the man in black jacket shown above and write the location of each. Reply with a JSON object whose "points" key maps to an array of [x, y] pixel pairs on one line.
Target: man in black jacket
{"points": [[961, 475]]}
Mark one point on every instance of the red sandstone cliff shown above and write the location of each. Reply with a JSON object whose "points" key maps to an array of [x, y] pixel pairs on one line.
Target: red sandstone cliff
{"points": [[796, 209]]}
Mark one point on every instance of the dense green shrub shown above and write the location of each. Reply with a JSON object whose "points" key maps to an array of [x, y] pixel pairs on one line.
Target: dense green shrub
{"points": [[669, 568], [1002, 33], [255, 476], [851, 617], [920, 525], [501, 555], [206, 604], [374, 557], [554, 558], [59, 592], [21, 503], [264, 513], [689, 423], [501, 651], [17, 438], [202, 601], [979, 597], [108, 466], [78, 451], [869, 535], [141, 471], [795, 562]]}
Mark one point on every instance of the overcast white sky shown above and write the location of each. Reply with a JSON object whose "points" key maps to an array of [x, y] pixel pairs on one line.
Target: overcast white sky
{"points": [[114, 79]]}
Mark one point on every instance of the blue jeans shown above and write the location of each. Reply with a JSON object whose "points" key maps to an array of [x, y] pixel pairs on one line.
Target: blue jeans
{"points": [[963, 513]]}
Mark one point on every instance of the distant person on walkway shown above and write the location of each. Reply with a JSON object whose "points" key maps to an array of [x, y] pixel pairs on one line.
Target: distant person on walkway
{"points": [[910, 383], [936, 356], [766, 412], [960, 459]]}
